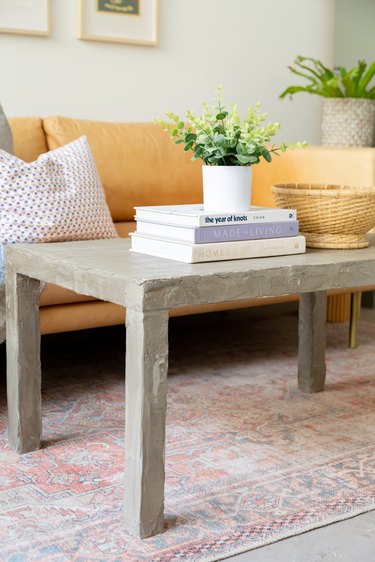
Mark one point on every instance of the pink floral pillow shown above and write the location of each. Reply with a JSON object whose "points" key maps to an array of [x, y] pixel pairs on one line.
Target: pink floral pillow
{"points": [[58, 197]]}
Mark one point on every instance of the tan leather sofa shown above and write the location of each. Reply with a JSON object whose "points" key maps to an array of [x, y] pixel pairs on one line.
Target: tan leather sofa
{"points": [[139, 165]]}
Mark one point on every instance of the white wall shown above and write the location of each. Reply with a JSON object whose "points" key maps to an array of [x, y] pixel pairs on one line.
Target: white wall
{"points": [[244, 44], [354, 32]]}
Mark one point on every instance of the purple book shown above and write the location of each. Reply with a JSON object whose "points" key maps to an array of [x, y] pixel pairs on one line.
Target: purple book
{"points": [[250, 231], [220, 233]]}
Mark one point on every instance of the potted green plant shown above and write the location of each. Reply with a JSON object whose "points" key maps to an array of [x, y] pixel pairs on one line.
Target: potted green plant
{"points": [[348, 99], [228, 146]]}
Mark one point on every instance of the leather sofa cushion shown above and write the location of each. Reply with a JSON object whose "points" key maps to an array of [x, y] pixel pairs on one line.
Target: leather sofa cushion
{"points": [[53, 294], [28, 137], [314, 164], [124, 228], [137, 162]]}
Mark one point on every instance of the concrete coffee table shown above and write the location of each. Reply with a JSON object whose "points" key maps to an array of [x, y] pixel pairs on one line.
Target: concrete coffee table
{"points": [[148, 287]]}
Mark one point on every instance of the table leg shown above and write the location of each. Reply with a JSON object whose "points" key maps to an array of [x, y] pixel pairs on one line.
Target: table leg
{"points": [[312, 341], [146, 384], [23, 362]]}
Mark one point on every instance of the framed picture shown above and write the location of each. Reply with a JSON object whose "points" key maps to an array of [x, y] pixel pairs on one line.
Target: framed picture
{"points": [[119, 21], [25, 17]]}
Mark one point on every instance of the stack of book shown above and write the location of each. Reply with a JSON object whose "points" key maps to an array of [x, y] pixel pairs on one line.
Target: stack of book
{"points": [[189, 234]]}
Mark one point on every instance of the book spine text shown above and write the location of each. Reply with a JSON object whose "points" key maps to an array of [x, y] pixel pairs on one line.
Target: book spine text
{"points": [[249, 231], [243, 218]]}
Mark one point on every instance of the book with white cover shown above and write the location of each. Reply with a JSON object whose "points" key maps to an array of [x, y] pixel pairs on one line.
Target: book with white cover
{"points": [[216, 251], [195, 215]]}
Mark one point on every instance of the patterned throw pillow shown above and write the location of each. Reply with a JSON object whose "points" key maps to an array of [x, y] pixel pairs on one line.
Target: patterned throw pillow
{"points": [[59, 197]]}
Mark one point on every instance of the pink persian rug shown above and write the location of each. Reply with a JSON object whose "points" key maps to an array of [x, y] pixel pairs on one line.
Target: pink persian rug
{"points": [[249, 459]]}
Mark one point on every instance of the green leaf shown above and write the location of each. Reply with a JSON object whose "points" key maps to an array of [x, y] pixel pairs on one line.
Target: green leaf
{"points": [[253, 160], [318, 65], [349, 86], [222, 115], [174, 132], [219, 139], [219, 129], [294, 89], [357, 74], [303, 74], [370, 94], [315, 74], [188, 146], [243, 159], [180, 125], [210, 149], [241, 148], [190, 137], [266, 155], [370, 74], [250, 148], [326, 82], [204, 139], [233, 161], [198, 153]]}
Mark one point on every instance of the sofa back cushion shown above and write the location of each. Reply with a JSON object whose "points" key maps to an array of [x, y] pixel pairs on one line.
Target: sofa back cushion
{"points": [[29, 140], [314, 164], [137, 162]]}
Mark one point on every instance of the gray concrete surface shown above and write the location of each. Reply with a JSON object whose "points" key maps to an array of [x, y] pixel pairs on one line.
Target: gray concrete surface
{"points": [[352, 540]]}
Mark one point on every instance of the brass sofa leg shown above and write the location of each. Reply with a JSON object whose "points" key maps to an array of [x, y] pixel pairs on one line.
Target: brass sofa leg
{"points": [[355, 310]]}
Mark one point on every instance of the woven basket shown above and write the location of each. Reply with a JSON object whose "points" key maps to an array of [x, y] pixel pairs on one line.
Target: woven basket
{"points": [[331, 216], [347, 122]]}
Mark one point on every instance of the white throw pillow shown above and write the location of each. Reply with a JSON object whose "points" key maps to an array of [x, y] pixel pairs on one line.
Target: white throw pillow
{"points": [[59, 197]]}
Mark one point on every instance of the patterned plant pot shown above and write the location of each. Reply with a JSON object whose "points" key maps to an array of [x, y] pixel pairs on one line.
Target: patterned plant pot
{"points": [[348, 122]]}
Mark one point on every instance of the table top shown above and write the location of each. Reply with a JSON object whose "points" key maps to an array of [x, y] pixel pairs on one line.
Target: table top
{"points": [[106, 269]]}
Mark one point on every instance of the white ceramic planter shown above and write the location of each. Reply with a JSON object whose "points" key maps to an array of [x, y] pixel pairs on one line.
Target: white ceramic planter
{"points": [[226, 188]]}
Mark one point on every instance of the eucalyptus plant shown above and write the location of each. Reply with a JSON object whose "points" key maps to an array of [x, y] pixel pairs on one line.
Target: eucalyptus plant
{"points": [[220, 137], [339, 82]]}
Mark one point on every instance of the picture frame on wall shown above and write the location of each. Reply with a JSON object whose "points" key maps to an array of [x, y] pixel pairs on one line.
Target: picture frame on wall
{"points": [[134, 22], [25, 17]]}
